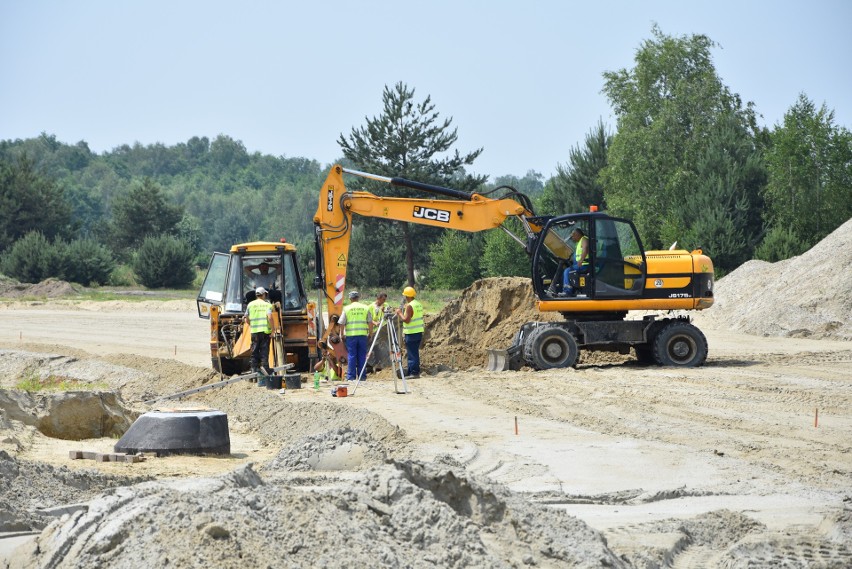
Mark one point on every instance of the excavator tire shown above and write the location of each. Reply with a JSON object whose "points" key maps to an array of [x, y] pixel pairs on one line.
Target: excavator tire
{"points": [[549, 347], [680, 344]]}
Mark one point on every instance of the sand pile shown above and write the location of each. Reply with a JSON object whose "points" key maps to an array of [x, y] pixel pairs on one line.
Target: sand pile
{"points": [[488, 314], [807, 296], [341, 449], [398, 515], [50, 288], [138, 378]]}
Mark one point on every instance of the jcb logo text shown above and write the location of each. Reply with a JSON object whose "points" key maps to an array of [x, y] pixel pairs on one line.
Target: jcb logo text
{"points": [[432, 213]]}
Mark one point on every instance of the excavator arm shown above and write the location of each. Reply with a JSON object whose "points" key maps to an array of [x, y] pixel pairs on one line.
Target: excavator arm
{"points": [[470, 212]]}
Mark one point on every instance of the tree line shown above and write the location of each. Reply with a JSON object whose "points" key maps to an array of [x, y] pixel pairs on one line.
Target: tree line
{"points": [[687, 161]]}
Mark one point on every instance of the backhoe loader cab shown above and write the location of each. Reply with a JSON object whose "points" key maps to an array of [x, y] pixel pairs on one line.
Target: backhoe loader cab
{"points": [[230, 285]]}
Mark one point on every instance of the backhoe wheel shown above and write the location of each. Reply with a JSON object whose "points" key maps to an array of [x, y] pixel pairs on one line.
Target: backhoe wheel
{"points": [[681, 344], [550, 347]]}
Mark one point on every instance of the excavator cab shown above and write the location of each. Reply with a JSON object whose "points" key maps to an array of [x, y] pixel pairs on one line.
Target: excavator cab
{"points": [[616, 267]]}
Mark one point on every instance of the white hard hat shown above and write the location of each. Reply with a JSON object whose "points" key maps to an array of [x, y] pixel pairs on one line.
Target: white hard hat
{"points": [[260, 290]]}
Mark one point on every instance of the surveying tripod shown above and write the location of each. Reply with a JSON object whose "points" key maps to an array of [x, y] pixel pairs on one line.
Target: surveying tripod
{"points": [[389, 320]]}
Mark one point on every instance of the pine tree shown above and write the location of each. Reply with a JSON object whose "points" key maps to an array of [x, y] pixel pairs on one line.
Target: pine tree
{"points": [[408, 140]]}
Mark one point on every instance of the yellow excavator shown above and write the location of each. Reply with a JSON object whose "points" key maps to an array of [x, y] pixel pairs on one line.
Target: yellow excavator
{"points": [[620, 275]]}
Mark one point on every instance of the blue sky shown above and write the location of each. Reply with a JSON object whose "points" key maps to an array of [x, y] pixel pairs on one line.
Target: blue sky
{"points": [[522, 80]]}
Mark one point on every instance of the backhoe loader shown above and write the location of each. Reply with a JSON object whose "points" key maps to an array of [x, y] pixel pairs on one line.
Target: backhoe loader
{"points": [[230, 285], [621, 276]]}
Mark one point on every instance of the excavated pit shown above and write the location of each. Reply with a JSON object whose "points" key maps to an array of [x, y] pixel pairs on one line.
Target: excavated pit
{"points": [[69, 415]]}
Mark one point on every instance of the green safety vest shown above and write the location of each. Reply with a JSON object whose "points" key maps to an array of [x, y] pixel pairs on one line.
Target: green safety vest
{"points": [[578, 250], [414, 326], [356, 320], [376, 313], [257, 311]]}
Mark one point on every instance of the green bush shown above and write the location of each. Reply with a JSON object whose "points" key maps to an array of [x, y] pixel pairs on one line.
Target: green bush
{"points": [[122, 275], [86, 261], [33, 258], [163, 262]]}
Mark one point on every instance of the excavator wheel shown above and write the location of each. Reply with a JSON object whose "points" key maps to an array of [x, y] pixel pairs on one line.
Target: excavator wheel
{"points": [[549, 347], [680, 344]]}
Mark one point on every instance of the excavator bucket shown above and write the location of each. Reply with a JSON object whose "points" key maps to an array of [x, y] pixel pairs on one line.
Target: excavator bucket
{"points": [[511, 359], [498, 360]]}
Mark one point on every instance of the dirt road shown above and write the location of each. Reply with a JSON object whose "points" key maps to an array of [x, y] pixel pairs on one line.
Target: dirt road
{"points": [[764, 430]]}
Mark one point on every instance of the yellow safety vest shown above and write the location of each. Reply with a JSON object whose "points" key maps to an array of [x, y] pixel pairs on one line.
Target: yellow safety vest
{"points": [[415, 325], [257, 311], [376, 313], [578, 250], [356, 320]]}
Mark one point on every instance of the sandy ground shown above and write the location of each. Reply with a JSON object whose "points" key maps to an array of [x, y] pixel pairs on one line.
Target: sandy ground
{"points": [[763, 430]]}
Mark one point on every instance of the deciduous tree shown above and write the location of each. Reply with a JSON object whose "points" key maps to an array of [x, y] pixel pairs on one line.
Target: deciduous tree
{"points": [[672, 108], [810, 175]]}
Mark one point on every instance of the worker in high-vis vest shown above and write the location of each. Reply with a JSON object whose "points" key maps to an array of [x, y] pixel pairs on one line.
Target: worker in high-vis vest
{"points": [[411, 315], [259, 315], [580, 264], [357, 326], [377, 309]]}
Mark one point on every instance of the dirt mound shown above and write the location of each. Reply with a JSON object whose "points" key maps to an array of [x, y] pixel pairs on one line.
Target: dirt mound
{"points": [[139, 378], [396, 515], [341, 449], [29, 491], [488, 314], [50, 288], [805, 296]]}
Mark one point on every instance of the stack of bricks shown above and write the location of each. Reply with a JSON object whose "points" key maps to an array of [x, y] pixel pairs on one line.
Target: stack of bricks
{"points": [[106, 457]]}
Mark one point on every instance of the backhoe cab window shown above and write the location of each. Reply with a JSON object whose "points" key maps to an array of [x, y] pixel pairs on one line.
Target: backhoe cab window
{"points": [[277, 274]]}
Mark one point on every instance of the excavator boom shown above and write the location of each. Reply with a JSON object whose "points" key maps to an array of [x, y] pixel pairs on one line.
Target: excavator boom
{"points": [[333, 220]]}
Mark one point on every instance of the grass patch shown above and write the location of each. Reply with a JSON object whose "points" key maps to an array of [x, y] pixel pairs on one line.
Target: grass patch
{"points": [[433, 300], [31, 382]]}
